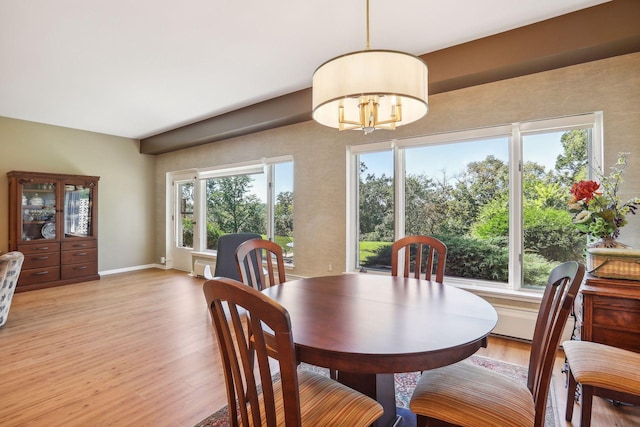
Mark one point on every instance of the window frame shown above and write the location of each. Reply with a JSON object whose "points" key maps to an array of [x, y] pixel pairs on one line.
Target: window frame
{"points": [[515, 133]]}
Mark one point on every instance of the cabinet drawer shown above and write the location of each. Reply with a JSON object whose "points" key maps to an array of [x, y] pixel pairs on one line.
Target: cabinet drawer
{"points": [[616, 313], [39, 275], [39, 248], [79, 244], [81, 255], [616, 319], [47, 259], [79, 270], [617, 338]]}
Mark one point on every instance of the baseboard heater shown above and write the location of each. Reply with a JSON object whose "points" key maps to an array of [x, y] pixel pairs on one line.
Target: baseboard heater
{"points": [[519, 323], [202, 268]]}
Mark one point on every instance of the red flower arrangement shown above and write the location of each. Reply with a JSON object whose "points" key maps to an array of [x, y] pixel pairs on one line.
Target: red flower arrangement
{"points": [[601, 214], [584, 190]]}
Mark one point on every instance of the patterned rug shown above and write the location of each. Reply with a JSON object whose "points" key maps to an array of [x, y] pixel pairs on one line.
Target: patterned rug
{"points": [[405, 383]]}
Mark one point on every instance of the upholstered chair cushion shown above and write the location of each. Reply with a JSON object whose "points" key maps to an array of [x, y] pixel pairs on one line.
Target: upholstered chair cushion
{"points": [[472, 396], [604, 366], [10, 266], [317, 393]]}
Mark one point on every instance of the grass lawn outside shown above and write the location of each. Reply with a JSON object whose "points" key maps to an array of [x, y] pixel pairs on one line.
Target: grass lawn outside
{"points": [[369, 248], [282, 242]]}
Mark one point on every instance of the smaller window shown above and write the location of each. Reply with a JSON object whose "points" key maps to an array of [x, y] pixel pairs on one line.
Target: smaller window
{"points": [[248, 198]]}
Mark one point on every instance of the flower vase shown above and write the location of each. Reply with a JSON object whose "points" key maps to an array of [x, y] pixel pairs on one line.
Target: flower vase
{"points": [[606, 242]]}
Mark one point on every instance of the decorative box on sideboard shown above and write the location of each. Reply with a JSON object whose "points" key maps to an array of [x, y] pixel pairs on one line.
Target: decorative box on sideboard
{"points": [[53, 220]]}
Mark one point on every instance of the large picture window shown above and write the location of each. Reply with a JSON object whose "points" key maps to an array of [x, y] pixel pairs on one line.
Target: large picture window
{"points": [[497, 197]]}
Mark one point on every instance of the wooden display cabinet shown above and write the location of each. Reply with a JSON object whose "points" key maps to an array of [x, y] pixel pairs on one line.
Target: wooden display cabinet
{"points": [[53, 221]]}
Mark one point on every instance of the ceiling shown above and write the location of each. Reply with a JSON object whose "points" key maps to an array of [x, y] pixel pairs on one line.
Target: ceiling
{"points": [[137, 68]]}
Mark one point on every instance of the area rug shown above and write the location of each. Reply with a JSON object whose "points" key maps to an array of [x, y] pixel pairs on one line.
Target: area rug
{"points": [[405, 383]]}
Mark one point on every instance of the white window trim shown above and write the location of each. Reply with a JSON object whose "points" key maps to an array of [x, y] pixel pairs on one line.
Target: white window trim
{"points": [[515, 132]]}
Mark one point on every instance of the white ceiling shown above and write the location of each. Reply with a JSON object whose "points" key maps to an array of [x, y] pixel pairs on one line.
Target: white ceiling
{"points": [[135, 68]]}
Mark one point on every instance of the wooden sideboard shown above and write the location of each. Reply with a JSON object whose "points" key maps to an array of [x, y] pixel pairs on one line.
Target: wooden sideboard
{"points": [[608, 312]]}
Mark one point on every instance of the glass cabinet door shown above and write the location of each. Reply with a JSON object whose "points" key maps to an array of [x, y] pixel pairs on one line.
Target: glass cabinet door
{"points": [[78, 201], [38, 210]]}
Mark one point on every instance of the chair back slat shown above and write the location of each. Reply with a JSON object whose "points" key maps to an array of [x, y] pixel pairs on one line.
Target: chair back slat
{"points": [[416, 252], [260, 263], [559, 295], [241, 317]]}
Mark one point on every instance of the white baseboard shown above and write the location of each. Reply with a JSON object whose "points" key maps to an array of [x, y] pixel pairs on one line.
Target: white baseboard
{"points": [[134, 268]]}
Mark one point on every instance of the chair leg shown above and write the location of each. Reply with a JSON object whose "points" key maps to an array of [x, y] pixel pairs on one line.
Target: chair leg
{"points": [[587, 402], [571, 395]]}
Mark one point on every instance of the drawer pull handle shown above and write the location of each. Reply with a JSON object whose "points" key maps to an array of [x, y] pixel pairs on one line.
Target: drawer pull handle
{"points": [[43, 248], [81, 254], [41, 273], [80, 245], [84, 267], [40, 258]]}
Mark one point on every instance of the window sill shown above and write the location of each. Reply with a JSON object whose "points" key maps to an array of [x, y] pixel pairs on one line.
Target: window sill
{"points": [[498, 293]]}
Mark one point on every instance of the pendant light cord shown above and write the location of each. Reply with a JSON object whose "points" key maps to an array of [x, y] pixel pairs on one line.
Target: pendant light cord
{"points": [[368, 45]]}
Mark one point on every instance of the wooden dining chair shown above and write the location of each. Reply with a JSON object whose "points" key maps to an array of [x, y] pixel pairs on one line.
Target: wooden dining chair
{"points": [[468, 395], [255, 398], [260, 263], [260, 275], [418, 252], [600, 369]]}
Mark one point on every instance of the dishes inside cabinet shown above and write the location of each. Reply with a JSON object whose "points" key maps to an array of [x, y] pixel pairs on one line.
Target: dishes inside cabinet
{"points": [[36, 200], [49, 230]]}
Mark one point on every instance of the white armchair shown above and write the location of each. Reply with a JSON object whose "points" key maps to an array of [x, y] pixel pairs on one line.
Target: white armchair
{"points": [[10, 265]]}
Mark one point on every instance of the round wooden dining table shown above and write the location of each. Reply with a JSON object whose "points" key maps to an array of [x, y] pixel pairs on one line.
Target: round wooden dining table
{"points": [[368, 327]]}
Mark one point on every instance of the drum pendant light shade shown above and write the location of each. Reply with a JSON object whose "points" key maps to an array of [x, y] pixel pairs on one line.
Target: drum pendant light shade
{"points": [[370, 89], [347, 88]]}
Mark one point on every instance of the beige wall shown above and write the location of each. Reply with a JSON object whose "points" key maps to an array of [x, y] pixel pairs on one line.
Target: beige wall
{"points": [[125, 197], [611, 86]]}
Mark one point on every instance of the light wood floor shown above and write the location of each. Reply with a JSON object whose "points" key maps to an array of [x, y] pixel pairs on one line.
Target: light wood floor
{"points": [[137, 349]]}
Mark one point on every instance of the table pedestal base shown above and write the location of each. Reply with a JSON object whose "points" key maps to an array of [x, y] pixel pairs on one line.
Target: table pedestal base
{"points": [[380, 387]]}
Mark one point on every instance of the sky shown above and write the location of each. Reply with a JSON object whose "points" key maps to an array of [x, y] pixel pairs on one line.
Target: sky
{"points": [[453, 158], [283, 182]]}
